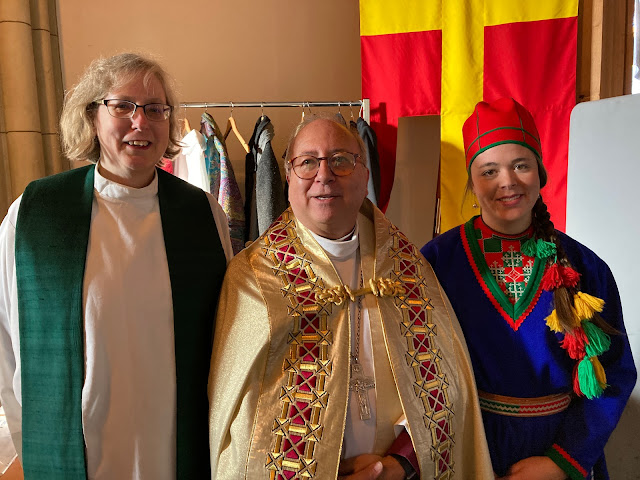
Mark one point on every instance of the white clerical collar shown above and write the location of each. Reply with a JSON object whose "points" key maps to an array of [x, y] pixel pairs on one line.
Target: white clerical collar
{"points": [[341, 248], [111, 189]]}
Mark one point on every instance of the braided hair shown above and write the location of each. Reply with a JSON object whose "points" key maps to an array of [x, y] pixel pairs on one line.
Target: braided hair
{"points": [[563, 296]]}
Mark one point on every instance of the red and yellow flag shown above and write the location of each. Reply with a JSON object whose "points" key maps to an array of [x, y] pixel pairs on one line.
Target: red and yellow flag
{"points": [[435, 57]]}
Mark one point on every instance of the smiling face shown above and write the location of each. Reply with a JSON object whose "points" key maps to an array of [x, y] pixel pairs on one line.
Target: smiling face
{"points": [[327, 204], [130, 148], [506, 182]]}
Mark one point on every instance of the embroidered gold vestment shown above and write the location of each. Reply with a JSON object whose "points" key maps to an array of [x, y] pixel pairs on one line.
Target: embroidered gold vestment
{"points": [[279, 377]]}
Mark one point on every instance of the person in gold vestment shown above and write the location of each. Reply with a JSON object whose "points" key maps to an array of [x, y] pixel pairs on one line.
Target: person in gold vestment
{"points": [[336, 353]]}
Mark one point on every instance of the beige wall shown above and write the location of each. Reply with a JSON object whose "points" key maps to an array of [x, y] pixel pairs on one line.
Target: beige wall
{"points": [[220, 51]]}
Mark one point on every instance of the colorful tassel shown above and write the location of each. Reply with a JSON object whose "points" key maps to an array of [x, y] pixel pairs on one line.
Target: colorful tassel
{"points": [[576, 381], [545, 249], [598, 342], [553, 322], [558, 276], [589, 384], [583, 310], [574, 343], [552, 278], [599, 371], [595, 303], [586, 305], [529, 247], [570, 277]]}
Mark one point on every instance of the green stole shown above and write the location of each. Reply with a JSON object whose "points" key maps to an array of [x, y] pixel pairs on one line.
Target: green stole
{"points": [[52, 235]]}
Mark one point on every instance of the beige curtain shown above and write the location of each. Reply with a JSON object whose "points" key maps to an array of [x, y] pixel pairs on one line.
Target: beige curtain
{"points": [[30, 95]]}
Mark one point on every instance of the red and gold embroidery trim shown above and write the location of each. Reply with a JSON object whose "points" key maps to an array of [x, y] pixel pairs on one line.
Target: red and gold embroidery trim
{"points": [[524, 407], [423, 356], [299, 427]]}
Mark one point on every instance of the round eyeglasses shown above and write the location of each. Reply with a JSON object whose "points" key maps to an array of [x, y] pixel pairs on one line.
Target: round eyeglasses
{"points": [[156, 112], [341, 164]]}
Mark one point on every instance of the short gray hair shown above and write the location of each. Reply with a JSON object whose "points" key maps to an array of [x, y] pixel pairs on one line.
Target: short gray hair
{"points": [[310, 118]]}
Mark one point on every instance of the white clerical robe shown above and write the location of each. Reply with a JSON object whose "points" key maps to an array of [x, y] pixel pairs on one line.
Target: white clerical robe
{"points": [[129, 335], [359, 435]]}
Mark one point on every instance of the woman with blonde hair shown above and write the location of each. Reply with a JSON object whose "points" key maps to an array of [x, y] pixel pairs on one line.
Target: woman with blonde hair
{"points": [[540, 312], [109, 279]]}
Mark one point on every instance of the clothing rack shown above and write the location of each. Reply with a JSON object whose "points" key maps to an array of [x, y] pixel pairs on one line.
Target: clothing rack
{"points": [[364, 104]]}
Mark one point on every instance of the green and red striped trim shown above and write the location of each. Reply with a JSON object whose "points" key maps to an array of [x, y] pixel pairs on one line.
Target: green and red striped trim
{"points": [[566, 462]]}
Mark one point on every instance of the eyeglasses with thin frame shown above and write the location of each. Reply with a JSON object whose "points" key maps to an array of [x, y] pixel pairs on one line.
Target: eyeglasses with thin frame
{"points": [[156, 112], [341, 164]]}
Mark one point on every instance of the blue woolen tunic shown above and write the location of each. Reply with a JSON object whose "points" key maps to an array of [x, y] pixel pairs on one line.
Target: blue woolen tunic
{"points": [[525, 359]]}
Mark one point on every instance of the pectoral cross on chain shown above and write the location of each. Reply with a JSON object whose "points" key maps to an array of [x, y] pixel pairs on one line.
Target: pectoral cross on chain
{"points": [[360, 385]]}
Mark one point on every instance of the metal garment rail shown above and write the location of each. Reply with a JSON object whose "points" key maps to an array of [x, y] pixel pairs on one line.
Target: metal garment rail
{"points": [[363, 104]]}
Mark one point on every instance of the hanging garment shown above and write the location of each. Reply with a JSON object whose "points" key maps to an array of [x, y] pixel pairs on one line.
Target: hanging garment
{"points": [[373, 159], [209, 129], [189, 164], [227, 192], [167, 166], [264, 195]]}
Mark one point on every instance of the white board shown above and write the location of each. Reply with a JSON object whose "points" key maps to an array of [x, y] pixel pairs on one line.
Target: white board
{"points": [[603, 213]]}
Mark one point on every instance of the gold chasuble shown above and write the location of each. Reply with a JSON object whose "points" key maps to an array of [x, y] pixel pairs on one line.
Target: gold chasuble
{"points": [[279, 380]]}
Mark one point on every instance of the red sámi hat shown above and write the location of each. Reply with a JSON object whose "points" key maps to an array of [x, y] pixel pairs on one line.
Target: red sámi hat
{"points": [[498, 122]]}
